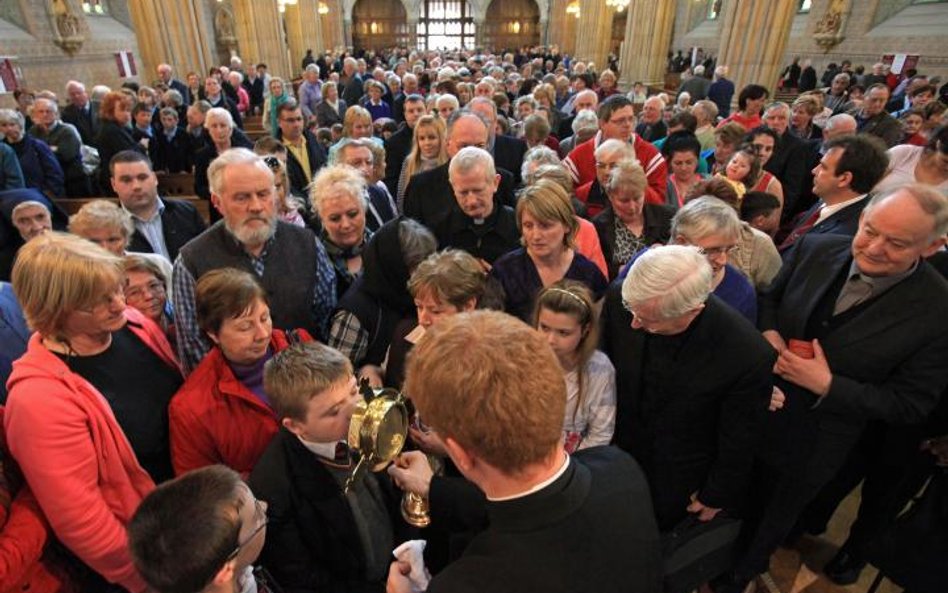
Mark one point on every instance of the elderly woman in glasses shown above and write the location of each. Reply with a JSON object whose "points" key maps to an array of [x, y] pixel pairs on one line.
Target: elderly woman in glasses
{"points": [[146, 289], [86, 418], [714, 228]]}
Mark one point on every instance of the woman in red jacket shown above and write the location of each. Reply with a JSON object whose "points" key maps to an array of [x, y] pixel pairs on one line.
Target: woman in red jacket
{"points": [[86, 418], [222, 413]]}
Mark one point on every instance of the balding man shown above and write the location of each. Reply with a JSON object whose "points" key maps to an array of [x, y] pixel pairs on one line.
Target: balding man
{"points": [[587, 100], [507, 151], [429, 198], [652, 122], [166, 75], [81, 112], [861, 328], [693, 381], [350, 83]]}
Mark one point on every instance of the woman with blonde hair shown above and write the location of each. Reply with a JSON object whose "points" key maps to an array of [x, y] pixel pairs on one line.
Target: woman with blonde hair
{"points": [[86, 417], [428, 152], [548, 230], [338, 197], [565, 314]]}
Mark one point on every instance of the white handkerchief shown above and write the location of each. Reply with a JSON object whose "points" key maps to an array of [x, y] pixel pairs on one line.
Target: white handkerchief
{"points": [[413, 552]]}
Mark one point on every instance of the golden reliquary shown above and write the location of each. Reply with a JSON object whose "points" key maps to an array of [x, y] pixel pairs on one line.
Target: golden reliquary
{"points": [[377, 433]]}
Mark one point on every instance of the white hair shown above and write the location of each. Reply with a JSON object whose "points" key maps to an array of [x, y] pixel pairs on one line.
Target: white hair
{"points": [[677, 277], [699, 70], [614, 146], [469, 158], [839, 118], [586, 119], [536, 156], [448, 98], [703, 217], [229, 158], [218, 113]]}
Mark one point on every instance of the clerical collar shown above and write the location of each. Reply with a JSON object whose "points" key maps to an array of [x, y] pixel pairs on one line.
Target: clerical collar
{"points": [[536, 488]]}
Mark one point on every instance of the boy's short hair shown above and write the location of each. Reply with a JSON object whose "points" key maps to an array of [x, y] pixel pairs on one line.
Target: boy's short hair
{"points": [[294, 376], [169, 112], [184, 531], [757, 203]]}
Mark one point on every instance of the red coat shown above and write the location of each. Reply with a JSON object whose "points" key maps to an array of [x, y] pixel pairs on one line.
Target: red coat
{"points": [[581, 163], [214, 418], [80, 466], [23, 534]]}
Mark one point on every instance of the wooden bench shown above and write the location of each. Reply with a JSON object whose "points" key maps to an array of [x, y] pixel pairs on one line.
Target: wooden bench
{"points": [[72, 205], [176, 184]]}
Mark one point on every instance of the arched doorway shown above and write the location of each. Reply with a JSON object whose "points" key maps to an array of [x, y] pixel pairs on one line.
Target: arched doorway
{"points": [[379, 24], [511, 24]]}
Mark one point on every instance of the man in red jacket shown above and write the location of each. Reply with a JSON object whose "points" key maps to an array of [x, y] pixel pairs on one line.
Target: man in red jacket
{"points": [[617, 120]]}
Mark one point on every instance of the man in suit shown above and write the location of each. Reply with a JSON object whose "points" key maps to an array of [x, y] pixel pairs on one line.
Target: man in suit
{"points": [[585, 100], [507, 151], [161, 226], [429, 197], [861, 328], [350, 82], [557, 523], [849, 169], [304, 154], [398, 146], [81, 112], [165, 75], [693, 380], [788, 163]]}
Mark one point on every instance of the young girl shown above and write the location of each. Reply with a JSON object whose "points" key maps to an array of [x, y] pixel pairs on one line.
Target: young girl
{"points": [[427, 152], [742, 170], [565, 315], [288, 206]]}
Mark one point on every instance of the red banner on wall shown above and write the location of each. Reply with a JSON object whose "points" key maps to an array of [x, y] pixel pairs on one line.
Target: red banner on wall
{"points": [[125, 61]]}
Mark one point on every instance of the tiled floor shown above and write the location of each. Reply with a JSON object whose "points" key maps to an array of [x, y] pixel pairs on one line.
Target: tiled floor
{"points": [[797, 570]]}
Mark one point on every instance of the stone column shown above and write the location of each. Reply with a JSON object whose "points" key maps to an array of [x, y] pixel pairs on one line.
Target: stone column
{"points": [[176, 32], [648, 34], [302, 30], [480, 25], [261, 37], [594, 32], [754, 36], [412, 23], [347, 33]]}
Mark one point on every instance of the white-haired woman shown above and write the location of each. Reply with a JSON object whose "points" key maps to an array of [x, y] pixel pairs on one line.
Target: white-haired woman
{"points": [[338, 198], [223, 134]]}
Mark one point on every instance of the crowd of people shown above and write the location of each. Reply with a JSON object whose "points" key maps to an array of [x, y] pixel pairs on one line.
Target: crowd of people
{"points": [[617, 316]]}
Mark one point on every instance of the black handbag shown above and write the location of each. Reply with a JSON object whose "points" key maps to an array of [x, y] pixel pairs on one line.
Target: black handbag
{"points": [[696, 551], [912, 553]]}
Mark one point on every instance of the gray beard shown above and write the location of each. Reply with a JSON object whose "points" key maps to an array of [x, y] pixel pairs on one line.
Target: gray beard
{"points": [[253, 237]]}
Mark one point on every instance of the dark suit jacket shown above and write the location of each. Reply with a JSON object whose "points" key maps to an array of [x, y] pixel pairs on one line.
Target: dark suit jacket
{"points": [[596, 516], [326, 116], [887, 357], [229, 104], [180, 222], [173, 156], [429, 197], [508, 155], [113, 139], [383, 207], [883, 126], [312, 542], [701, 436], [397, 148], [294, 170], [352, 90], [657, 230], [88, 125], [181, 88], [789, 164], [499, 233], [203, 158], [842, 222]]}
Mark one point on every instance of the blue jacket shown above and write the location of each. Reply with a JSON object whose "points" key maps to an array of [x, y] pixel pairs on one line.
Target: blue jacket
{"points": [[40, 167], [13, 335], [11, 176]]}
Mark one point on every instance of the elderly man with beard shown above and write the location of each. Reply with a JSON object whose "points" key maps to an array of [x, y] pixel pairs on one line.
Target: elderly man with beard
{"points": [[289, 261]]}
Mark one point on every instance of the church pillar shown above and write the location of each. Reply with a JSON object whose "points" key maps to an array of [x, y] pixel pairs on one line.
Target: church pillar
{"points": [[594, 32], [175, 32], [648, 34], [412, 32], [480, 25], [347, 33], [302, 30], [563, 26], [754, 36], [261, 36]]}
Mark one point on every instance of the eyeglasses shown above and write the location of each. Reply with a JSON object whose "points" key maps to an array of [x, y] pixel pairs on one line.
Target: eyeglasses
{"points": [[727, 249], [622, 121], [155, 287], [260, 508], [273, 162]]}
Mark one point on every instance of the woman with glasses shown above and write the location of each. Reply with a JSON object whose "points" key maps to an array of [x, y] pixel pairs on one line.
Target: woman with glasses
{"points": [[86, 418], [146, 289], [714, 228], [222, 414], [629, 225]]}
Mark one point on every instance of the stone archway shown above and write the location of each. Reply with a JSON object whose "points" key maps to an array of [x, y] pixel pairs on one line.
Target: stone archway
{"points": [[379, 24], [510, 24]]}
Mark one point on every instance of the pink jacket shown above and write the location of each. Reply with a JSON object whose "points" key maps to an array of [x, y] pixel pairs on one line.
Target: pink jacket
{"points": [[75, 457]]}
